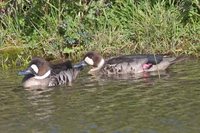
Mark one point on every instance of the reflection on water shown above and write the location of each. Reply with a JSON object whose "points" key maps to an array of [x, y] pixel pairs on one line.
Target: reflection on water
{"points": [[168, 103], [136, 76], [41, 102]]}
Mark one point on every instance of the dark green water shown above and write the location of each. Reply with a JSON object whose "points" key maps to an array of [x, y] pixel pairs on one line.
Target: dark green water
{"points": [[170, 104]]}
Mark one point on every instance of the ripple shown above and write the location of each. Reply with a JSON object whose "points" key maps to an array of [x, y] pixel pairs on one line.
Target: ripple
{"points": [[156, 104]]}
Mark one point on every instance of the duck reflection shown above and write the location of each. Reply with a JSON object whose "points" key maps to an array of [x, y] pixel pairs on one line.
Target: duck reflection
{"points": [[145, 78], [136, 77], [42, 105]]}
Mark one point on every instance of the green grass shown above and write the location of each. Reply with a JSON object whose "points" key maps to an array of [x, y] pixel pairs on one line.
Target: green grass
{"points": [[58, 29]]}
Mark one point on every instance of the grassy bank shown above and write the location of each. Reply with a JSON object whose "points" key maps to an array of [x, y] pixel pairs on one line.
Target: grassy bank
{"points": [[57, 29]]}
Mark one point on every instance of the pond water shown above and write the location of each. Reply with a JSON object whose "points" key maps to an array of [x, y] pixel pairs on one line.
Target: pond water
{"points": [[169, 104]]}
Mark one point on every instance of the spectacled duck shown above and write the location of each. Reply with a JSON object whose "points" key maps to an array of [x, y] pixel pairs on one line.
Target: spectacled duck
{"points": [[126, 64], [41, 73]]}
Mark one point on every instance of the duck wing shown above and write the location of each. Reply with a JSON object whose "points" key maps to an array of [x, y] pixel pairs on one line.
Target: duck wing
{"points": [[146, 58], [138, 63], [124, 65], [57, 68], [64, 77], [152, 59]]}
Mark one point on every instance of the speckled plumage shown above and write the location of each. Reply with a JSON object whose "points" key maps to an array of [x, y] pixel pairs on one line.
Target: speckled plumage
{"points": [[55, 74], [127, 64]]}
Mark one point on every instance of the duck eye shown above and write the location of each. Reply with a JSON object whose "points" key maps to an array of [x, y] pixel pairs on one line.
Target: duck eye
{"points": [[35, 68], [89, 61]]}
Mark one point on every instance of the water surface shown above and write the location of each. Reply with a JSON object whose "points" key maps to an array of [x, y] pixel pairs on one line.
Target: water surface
{"points": [[169, 104]]}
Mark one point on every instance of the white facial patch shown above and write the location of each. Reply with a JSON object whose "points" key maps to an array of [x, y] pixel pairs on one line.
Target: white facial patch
{"points": [[89, 61], [100, 65], [43, 76], [35, 68]]}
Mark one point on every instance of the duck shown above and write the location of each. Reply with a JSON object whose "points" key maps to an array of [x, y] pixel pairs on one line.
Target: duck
{"points": [[41, 73], [126, 64]]}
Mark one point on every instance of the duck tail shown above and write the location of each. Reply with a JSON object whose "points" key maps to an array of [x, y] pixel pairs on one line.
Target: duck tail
{"points": [[178, 59]]}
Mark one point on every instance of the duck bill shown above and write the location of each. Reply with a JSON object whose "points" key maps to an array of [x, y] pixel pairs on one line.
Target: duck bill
{"points": [[24, 72], [80, 65]]}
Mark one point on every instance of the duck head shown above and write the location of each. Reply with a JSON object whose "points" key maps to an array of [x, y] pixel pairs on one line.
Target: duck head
{"points": [[38, 68], [93, 59]]}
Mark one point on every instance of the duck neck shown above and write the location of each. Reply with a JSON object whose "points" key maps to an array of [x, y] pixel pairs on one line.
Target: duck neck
{"points": [[43, 76], [100, 65]]}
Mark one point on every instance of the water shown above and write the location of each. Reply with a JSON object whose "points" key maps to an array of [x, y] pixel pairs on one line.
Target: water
{"points": [[169, 104]]}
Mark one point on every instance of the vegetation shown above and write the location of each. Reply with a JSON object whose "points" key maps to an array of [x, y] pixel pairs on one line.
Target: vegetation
{"points": [[57, 29]]}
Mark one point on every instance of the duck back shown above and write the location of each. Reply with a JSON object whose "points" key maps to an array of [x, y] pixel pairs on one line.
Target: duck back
{"points": [[64, 77], [123, 66]]}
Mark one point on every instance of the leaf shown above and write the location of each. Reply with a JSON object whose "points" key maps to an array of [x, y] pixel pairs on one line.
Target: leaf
{"points": [[68, 50]]}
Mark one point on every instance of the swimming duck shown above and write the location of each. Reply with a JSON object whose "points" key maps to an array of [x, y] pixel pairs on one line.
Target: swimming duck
{"points": [[126, 64], [40, 73]]}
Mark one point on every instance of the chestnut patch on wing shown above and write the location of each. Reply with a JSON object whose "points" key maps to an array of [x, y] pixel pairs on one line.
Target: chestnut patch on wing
{"points": [[146, 66]]}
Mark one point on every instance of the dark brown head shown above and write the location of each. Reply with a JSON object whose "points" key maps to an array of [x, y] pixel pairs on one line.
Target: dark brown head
{"points": [[38, 67], [93, 59]]}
